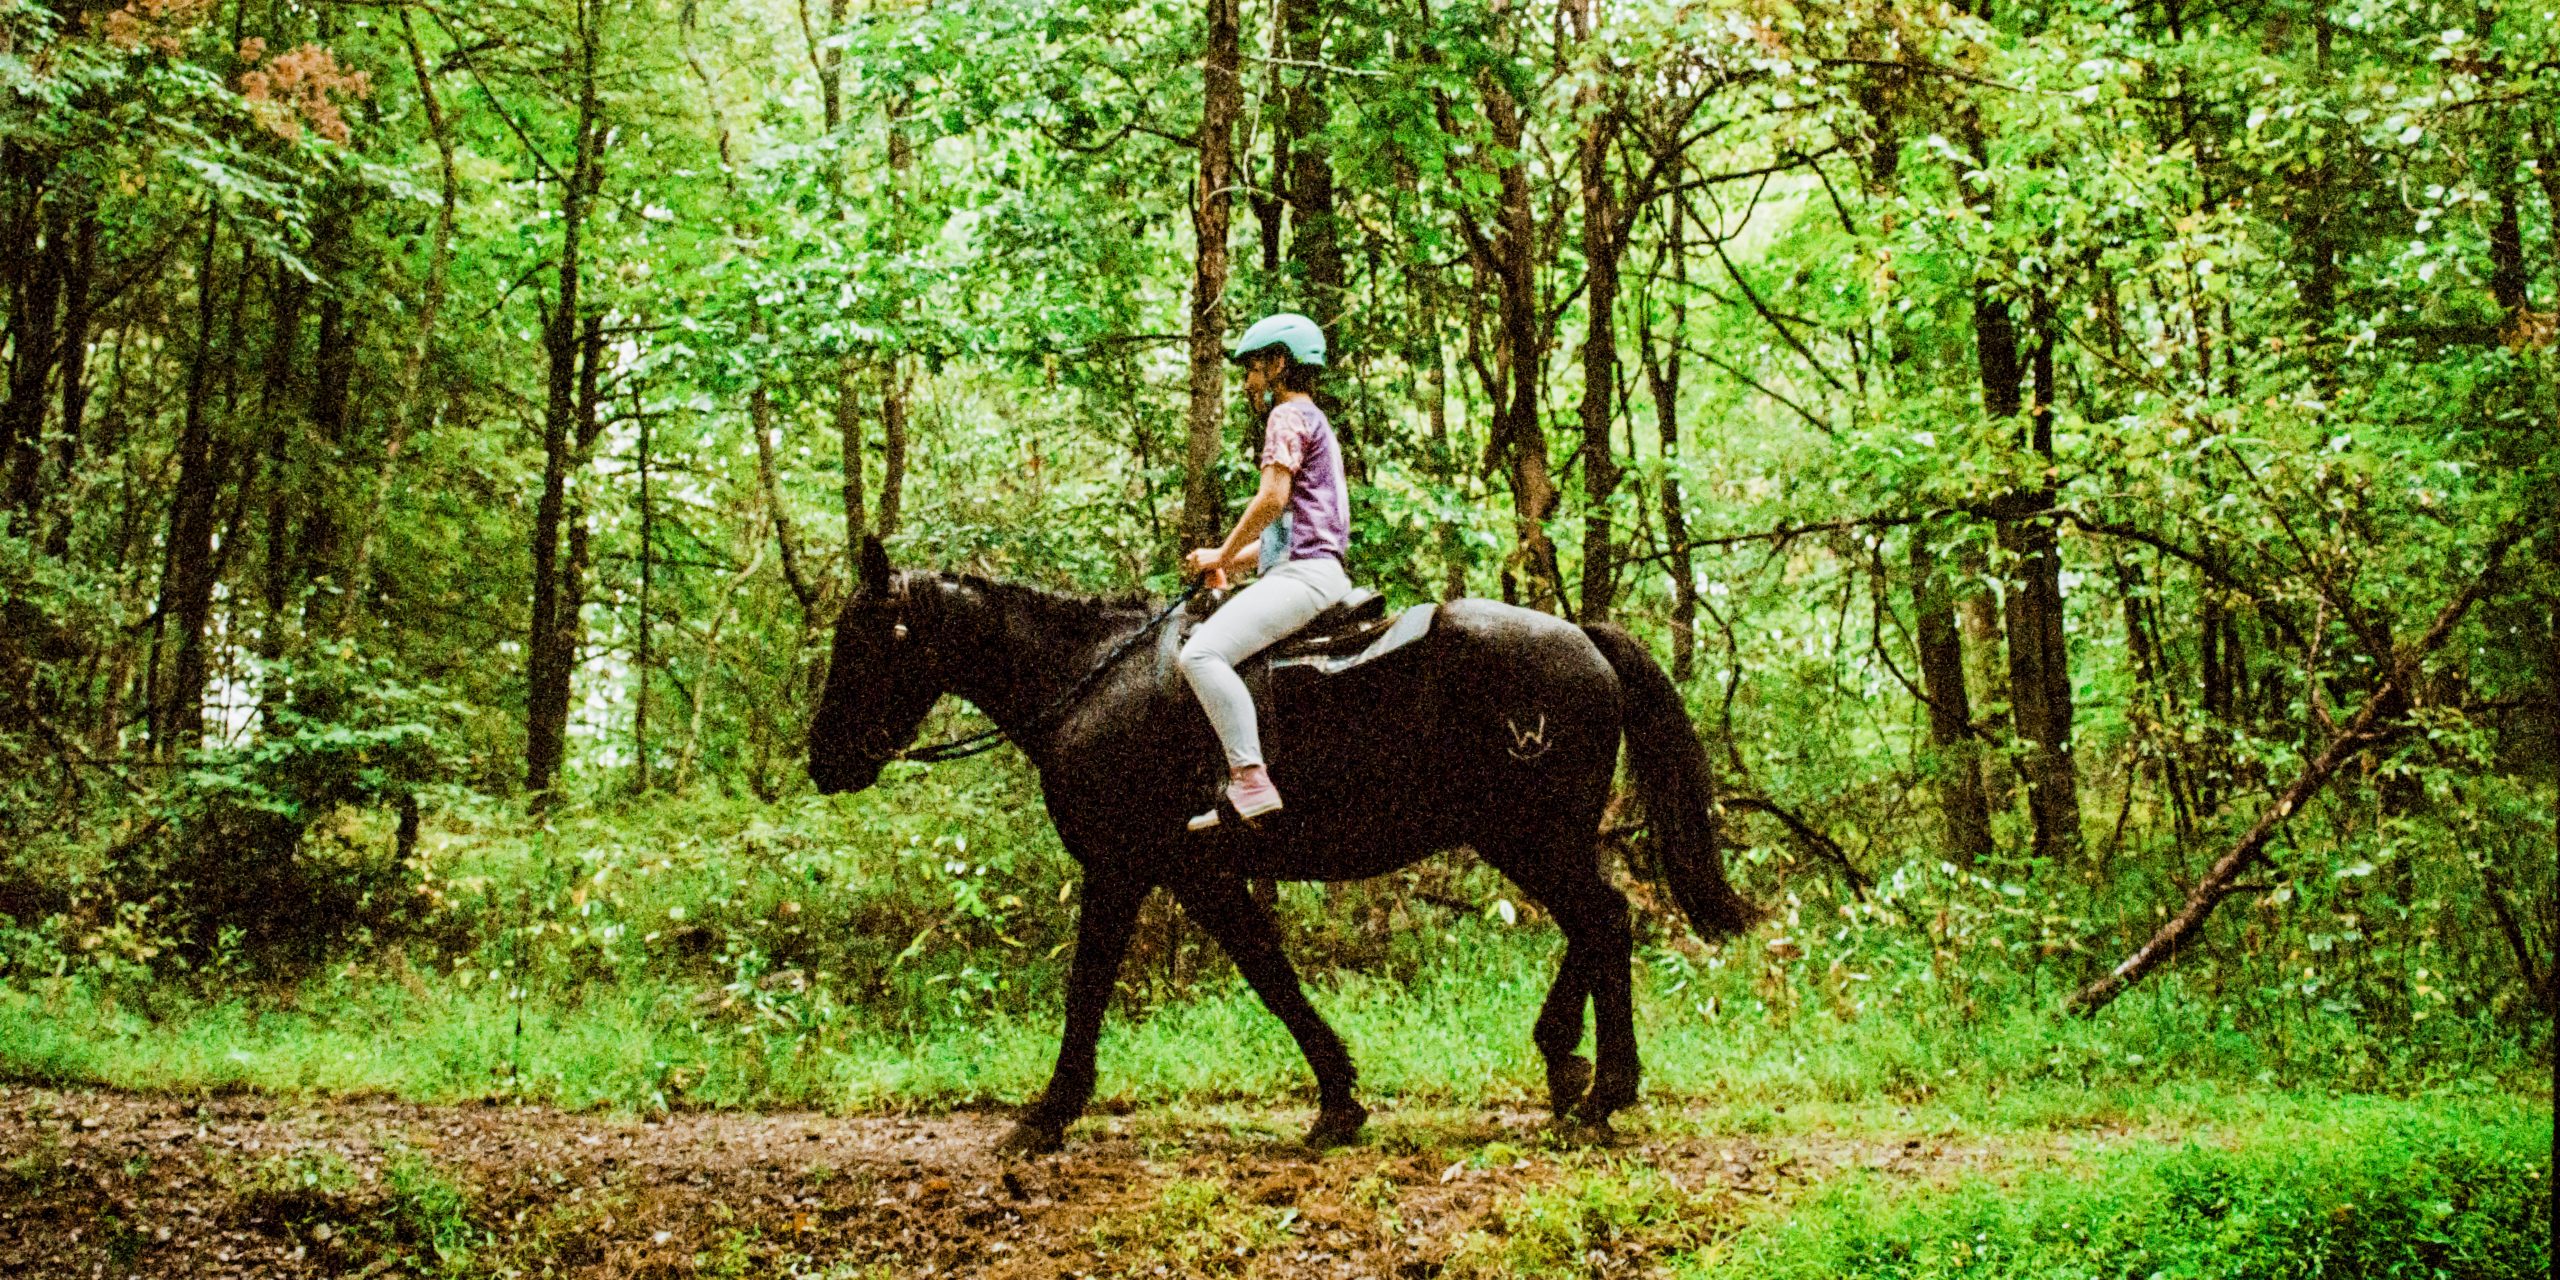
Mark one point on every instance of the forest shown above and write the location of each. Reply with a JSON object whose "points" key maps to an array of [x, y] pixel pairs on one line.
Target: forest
{"points": [[2091, 467]]}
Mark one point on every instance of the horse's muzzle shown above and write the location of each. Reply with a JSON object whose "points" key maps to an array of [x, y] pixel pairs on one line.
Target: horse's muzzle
{"points": [[834, 777]]}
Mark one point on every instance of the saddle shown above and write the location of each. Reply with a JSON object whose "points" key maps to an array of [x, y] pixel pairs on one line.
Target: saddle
{"points": [[1352, 632]]}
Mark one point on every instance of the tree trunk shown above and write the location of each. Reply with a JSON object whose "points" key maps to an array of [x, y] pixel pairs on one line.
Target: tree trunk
{"points": [[1960, 793], [570, 618], [1428, 357], [893, 373], [33, 345], [1599, 357], [332, 379], [76, 321], [848, 414], [2039, 665], [1519, 438], [1315, 240], [893, 448], [786, 541], [1222, 97], [2039, 673], [642, 657], [278, 417], [411, 415], [1662, 377], [186, 583], [546, 668], [2508, 279]]}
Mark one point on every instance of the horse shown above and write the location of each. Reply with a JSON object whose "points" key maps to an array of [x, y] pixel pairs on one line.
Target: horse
{"points": [[1497, 731]]}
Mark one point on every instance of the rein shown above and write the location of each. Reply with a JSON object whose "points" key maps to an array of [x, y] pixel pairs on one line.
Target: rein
{"points": [[986, 740]]}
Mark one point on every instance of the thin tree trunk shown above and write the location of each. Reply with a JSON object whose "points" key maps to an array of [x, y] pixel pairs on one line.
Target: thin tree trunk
{"points": [[332, 388], [33, 346], [1599, 353], [186, 584], [760, 417], [76, 321], [2039, 679], [1315, 241], [893, 371], [1222, 89], [1435, 411], [642, 659], [547, 707], [571, 618], [2508, 279], [1662, 377], [278, 417], [1519, 437], [1960, 793], [2039, 670], [410, 417], [893, 447], [848, 422]]}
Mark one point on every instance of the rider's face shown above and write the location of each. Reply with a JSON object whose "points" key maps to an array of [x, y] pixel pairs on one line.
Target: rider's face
{"points": [[1262, 377]]}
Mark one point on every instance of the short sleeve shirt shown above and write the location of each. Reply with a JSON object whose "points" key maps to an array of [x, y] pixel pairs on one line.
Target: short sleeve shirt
{"points": [[1298, 436]]}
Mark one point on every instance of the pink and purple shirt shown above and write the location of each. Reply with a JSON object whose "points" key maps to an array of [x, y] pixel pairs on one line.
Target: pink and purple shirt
{"points": [[1317, 521]]}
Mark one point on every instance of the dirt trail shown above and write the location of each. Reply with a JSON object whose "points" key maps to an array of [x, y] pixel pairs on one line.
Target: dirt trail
{"points": [[103, 1184]]}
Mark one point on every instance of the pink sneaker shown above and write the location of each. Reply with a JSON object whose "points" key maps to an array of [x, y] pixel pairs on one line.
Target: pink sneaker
{"points": [[1251, 793]]}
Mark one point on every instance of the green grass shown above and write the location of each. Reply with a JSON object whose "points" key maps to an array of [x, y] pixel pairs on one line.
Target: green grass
{"points": [[2437, 1188], [1455, 1034]]}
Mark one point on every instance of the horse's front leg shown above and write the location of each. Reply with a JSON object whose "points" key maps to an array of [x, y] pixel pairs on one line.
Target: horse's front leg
{"points": [[1221, 905], [1102, 938]]}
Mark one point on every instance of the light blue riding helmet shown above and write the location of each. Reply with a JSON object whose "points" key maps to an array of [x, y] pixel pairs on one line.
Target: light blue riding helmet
{"points": [[1304, 340]]}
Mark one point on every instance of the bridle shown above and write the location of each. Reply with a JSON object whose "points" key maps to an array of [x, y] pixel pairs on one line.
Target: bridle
{"points": [[988, 739]]}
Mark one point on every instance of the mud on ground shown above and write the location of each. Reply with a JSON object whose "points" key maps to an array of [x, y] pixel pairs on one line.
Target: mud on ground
{"points": [[104, 1184]]}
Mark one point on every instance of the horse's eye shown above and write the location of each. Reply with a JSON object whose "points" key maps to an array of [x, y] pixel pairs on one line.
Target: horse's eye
{"points": [[898, 632]]}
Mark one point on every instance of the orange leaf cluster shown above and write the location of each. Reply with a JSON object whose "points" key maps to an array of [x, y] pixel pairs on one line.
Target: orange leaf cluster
{"points": [[299, 86], [163, 24]]}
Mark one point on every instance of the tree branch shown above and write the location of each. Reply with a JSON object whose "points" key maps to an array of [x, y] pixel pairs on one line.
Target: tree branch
{"points": [[2373, 724]]}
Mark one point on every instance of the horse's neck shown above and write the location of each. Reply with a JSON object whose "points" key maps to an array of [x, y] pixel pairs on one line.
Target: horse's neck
{"points": [[1011, 665]]}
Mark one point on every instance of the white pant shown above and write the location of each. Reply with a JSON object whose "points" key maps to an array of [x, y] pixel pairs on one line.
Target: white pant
{"points": [[1277, 603]]}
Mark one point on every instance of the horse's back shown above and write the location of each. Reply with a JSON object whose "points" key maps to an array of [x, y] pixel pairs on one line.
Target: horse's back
{"points": [[1502, 721]]}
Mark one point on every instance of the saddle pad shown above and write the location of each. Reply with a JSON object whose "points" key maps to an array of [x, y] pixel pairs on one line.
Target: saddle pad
{"points": [[1409, 626]]}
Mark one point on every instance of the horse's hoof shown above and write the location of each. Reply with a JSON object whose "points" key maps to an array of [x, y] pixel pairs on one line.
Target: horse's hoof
{"points": [[1609, 1095], [1579, 1132], [1568, 1078], [1030, 1139], [1337, 1126]]}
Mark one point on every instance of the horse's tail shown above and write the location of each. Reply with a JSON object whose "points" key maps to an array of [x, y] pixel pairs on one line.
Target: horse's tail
{"points": [[1670, 766]]}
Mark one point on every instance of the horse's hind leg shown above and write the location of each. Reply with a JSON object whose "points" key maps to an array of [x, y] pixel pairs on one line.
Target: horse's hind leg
{"points": [[1102, 938], [1220, 905], [1599, 953]]}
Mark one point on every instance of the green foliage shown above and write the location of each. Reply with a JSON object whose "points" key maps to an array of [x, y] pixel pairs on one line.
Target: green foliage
{"points": [[2365, 1191]]}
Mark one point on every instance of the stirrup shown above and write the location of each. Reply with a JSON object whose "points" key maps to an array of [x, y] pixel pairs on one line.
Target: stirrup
{"points": [[1226, 807]]}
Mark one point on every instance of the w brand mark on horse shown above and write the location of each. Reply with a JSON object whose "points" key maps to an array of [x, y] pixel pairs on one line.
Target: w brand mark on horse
{"points": [[1527, 744]]}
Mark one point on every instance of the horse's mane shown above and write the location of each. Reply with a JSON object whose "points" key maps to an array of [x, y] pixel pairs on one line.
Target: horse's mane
{"points": [[1057, 613], [1041, 598]]}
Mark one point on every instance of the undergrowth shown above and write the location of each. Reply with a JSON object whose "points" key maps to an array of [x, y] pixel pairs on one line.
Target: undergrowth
{"points": [[906, 948], [2361, 1189]]}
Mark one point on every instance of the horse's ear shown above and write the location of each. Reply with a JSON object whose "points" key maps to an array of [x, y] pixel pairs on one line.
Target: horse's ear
{"points": [[875, 566]]}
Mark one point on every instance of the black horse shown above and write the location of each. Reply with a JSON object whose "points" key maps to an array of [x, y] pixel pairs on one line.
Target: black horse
{"points": [[1498, 731]]}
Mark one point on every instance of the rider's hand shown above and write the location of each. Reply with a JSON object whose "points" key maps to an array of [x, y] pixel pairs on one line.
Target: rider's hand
{"points": [[1204, 561]]}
